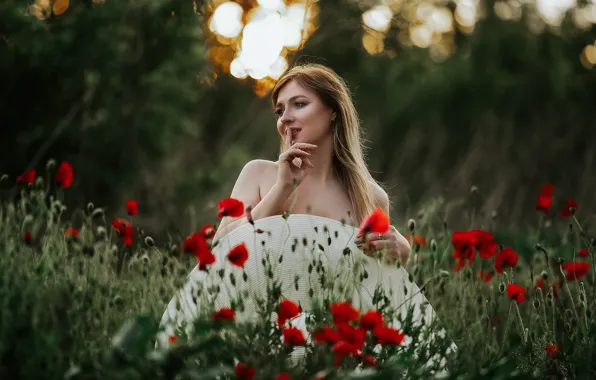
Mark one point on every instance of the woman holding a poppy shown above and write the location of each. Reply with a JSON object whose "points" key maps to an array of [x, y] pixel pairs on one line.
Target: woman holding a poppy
{"points": [[321, 168]]}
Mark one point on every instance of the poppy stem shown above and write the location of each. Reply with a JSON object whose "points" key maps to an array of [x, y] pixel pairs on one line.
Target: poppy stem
{"points": [[521, 324], [506, 331], [590, 250]]}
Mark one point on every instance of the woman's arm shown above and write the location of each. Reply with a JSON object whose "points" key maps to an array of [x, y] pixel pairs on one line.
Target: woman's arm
{"points": [[403, 245], [246, 189]]}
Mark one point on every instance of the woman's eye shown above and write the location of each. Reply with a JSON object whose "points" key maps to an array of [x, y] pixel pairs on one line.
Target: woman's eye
{"points": [[300, 105], [278, 112]]}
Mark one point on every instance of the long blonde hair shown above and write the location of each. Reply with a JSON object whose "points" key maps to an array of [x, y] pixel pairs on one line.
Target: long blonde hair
{"points": [[348, 146]]}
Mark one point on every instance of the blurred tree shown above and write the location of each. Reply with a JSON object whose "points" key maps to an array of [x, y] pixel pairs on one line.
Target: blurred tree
{"points": [[106, 86]]}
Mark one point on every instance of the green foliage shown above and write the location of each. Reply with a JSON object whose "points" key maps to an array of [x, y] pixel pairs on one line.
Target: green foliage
{"points": [[65, 308], [108, 86]]}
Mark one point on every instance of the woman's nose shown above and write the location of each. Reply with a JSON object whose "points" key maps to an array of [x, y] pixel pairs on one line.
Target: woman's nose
{"points": [[286, 117]]}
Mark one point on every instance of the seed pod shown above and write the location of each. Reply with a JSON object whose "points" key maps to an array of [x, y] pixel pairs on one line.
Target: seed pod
{"points": [[502, 287], [149, 242], [411, 225]]}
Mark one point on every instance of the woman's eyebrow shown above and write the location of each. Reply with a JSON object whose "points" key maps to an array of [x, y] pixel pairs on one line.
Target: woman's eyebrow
{"points": [[292, 98]]}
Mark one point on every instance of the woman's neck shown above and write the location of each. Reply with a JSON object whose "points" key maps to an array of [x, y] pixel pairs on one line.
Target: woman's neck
{"points": [[323, 172]]}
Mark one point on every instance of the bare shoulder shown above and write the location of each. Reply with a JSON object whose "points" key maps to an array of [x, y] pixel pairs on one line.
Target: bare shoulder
{"points": [[258, 165], [381, 197]]}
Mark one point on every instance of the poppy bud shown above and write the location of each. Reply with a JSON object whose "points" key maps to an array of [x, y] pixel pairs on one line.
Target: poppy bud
{"points": [[445, 224], [433, 245], [411, 225], [3, 177], [561, 261], [572, 210], [569, 313], [50, 165], [145, 258], [244, 276], [474, 189], [502, 287], [544, 275], [221, 273], [97, 213], [232, 279], [365, 274], [39, 183], [536, 303], [444, 273], [494, 214], [149, 241], [416, 247], [593, 242], [538, 247], [90, 206]]}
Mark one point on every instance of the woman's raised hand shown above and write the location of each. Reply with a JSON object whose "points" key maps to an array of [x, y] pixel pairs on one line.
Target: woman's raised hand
{"points": [[294, 162]]}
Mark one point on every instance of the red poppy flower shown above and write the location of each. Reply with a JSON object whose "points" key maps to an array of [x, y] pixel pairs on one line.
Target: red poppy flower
{"points": [[287, 310], [71, 232], [238, 255], [552, 349], [356, 336], [576, 270], [205, 258], [125, 230], [343, 312], [516, 292], [505, 258], [224, 314], [208, 231], [28, 237], [376, 222], [368, 360], [583, 252], [352, 340], [283, 376], [417, 239], [485, 276], [194, 243], [28, 177], [371, 320], [326, 334], [545, 198], [293, 336], [342, 349], [567, 210], [459, 264], [64, 175], [243, 372], [172, 339], [389, 335], [466, 243], [230, 207], [132, 207]]}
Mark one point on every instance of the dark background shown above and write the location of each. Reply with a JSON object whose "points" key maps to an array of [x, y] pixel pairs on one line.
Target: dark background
{"points": [[129, 93]]}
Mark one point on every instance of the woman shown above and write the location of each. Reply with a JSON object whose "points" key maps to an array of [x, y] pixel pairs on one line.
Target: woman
{"points": [[321, 169]]}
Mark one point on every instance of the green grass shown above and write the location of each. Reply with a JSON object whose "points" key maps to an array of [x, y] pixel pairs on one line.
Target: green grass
{"points": [[63, 300]]}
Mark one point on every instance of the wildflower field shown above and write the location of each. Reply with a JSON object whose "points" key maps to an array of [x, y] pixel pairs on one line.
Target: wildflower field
{"points": [[82, 296]]}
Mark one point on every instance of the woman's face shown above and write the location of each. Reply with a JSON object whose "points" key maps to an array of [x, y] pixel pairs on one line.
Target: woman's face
{"points": [[301, 112]]}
